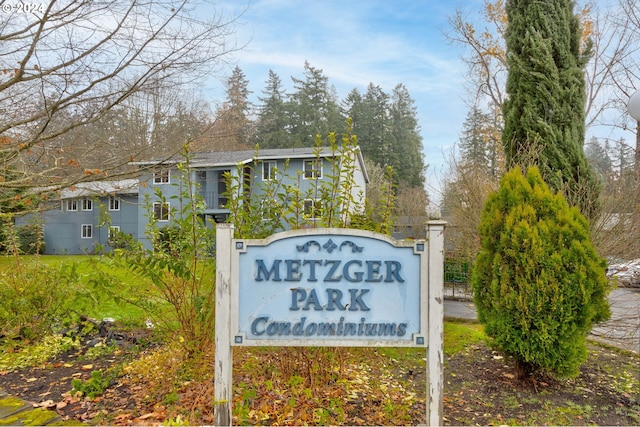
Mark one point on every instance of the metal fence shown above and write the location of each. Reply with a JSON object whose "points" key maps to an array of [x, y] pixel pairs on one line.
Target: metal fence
{"points": [[457, 275]]}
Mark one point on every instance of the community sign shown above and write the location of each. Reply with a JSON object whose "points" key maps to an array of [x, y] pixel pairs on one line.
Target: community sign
{"points": [[329, 287], [337, 288]]}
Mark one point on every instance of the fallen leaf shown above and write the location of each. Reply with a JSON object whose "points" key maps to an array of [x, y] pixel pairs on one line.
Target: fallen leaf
{"points": [[148, 415], [87, 367], [61, 405], [45, 404]]}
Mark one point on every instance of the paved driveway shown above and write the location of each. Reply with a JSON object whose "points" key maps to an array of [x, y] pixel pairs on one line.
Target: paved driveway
{"points": [[622, 330]]}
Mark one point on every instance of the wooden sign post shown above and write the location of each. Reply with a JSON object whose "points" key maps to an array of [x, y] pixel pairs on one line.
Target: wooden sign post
{"points": [[329, 287]]}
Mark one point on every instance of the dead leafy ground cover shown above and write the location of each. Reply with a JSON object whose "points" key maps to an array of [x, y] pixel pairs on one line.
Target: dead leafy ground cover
{"points": [[151, 385]]}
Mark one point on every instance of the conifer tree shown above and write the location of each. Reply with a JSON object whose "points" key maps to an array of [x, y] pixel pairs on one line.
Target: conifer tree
{"points": [[473, 142], [405, 133], [272, 122], [372, 127], [312, 107], [539, 285], [545, 111], [233, 125]]}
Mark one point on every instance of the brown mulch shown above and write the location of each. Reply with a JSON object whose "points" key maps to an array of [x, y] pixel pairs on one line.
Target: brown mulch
{"points": [[479, 389]]}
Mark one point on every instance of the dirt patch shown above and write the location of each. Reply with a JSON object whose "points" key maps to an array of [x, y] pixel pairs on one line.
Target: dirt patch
{"points": [[479, 388]]}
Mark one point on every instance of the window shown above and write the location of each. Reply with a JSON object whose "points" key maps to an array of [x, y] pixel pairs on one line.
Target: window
{"points": [[161, 176], [72, 205], [268, 170], [113, 231], [161, 211], [312, 169], [87, 231], [312, 208], [87, 204], [114, 203]]}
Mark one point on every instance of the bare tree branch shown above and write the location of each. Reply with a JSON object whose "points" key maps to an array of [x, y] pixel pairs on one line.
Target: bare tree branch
{"points": [[70, 64]]}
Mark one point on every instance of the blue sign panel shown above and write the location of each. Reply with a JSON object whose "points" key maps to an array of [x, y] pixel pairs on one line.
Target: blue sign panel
{"points": [[352, 288]]}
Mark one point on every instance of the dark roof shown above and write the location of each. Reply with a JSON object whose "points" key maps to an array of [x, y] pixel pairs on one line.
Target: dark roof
{"points": [[232, 158]]}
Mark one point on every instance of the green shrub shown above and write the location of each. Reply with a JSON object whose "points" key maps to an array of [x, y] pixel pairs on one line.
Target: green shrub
{"points": [[539, 285], [29, 238], [35, 297], [168, 239]]}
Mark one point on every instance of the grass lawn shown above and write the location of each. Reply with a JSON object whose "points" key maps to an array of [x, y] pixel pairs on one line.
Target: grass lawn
{"points": [[99, 304]]}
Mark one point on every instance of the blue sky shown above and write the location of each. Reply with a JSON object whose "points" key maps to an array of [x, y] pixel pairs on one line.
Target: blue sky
{"points": [[357, 42]]}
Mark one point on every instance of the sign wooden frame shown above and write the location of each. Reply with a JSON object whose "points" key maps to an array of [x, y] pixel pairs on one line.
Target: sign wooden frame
{"points": [[329, 287]]}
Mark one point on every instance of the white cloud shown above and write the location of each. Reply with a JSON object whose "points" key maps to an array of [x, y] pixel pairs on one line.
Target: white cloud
{"points": [[358, 42]]}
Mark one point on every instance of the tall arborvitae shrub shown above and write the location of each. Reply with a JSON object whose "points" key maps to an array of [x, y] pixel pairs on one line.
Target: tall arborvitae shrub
{"points": [[538, 282], [544, 112]]}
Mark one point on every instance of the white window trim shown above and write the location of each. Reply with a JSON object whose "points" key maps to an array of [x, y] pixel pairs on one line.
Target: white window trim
{"points": [[319, 171], [264, 205], [83, 234], [114, 203], [316, 215], [272, 170], [87, 204], [72, 205], [113, 230], [161, 177], [168, 211]]}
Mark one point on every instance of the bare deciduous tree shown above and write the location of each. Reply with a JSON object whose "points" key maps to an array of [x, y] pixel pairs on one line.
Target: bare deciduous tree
{"points": [[66, 65]]}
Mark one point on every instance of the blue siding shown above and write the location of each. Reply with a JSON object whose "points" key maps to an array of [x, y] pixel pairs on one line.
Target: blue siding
{"points": [[63, 228]]}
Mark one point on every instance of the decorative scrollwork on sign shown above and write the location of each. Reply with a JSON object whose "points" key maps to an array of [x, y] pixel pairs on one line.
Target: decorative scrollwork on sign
{"points": [[354, 248], [329, 246], [305, 247]]}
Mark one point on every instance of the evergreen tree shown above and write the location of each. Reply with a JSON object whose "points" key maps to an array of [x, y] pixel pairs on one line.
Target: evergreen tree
{"points": [[271, 129], [374, 130], [388, 131], [598, 156], [473, 143], [233, 123], [480, 144], [313, 107], [545, 110], [352, 107], [623, 158], [371, 122], [405, 132], [539, 285]]}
